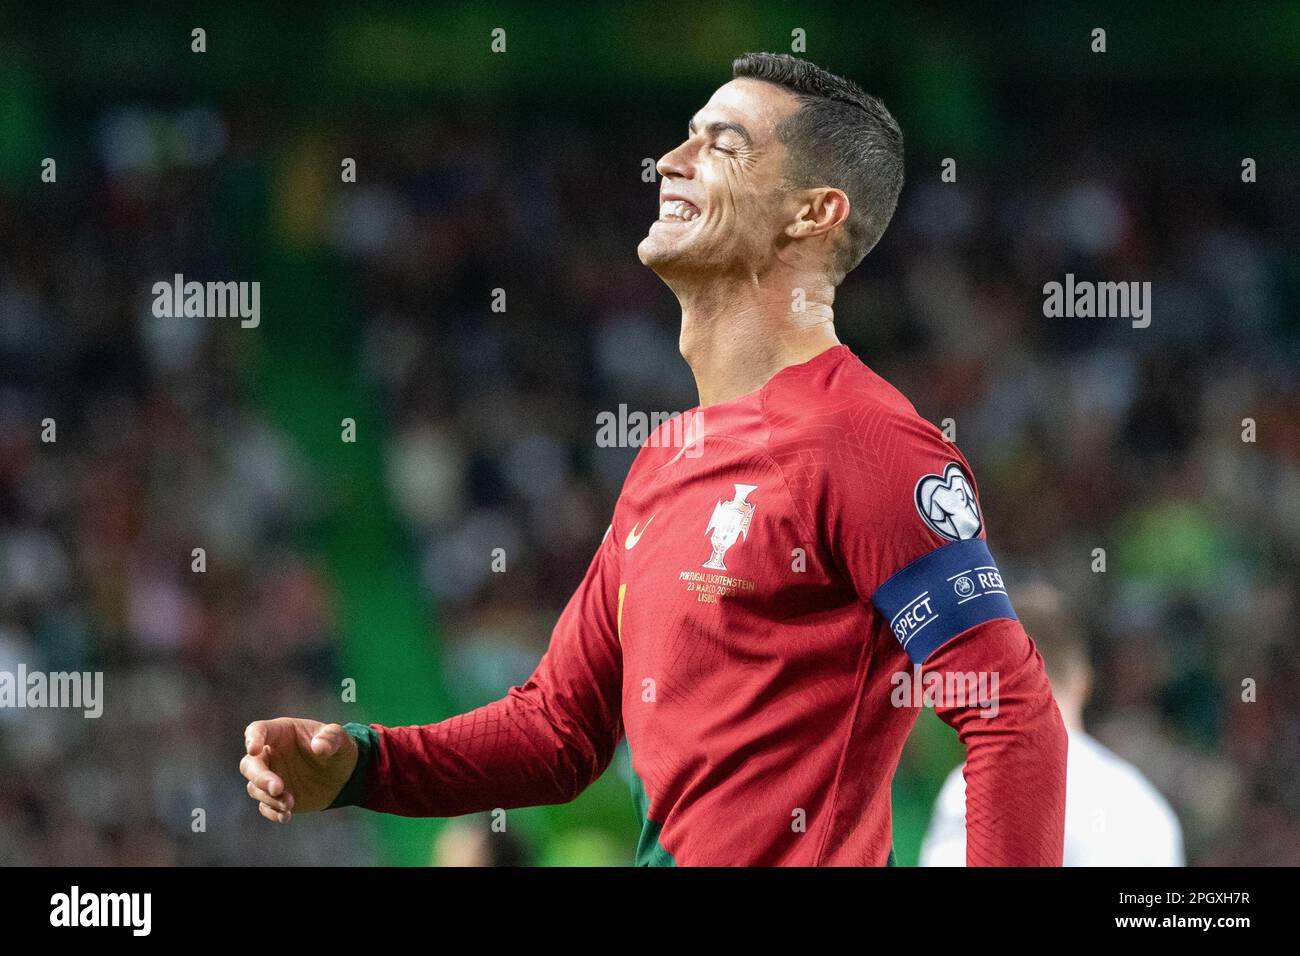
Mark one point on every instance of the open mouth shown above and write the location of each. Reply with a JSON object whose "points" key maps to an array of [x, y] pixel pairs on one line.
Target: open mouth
{"points": [[678, 210]]}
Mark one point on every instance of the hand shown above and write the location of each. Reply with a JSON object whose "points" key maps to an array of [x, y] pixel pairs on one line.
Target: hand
{"points": [[296, 765]]}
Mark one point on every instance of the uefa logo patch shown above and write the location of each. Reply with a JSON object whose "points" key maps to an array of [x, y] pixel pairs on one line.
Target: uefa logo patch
{"points": [[947, 504]]}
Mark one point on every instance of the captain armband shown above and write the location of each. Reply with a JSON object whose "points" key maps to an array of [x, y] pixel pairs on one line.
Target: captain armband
{"points": [[942, 594]]}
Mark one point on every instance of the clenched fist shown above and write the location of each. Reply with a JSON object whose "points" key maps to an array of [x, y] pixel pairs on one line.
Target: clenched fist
{"points": [[296, 765]]}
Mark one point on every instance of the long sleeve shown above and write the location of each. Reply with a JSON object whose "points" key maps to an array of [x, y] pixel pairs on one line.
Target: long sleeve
{"points": [[542, 743], [909, 530], [1015, 760]]}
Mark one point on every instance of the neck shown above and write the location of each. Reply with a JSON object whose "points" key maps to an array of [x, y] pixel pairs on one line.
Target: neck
{"points": [[736, 335]]}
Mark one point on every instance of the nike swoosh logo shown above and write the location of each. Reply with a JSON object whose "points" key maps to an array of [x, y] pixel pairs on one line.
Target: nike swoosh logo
{"points": [[634, 535]]}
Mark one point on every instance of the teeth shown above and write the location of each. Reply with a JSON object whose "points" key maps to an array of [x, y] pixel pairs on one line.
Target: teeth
{"points": [[678, 210]]}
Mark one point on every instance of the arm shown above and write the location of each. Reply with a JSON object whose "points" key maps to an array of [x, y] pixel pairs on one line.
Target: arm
{"points": [[542, 743], [910, 533], [950, 611], [1001, 753], [1015, 761]]}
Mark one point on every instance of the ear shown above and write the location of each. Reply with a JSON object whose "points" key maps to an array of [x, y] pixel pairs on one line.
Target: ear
{"points": [[819, 212]]}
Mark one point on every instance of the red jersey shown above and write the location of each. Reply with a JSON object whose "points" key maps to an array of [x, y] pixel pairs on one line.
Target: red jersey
{"points": [[778, 569]]}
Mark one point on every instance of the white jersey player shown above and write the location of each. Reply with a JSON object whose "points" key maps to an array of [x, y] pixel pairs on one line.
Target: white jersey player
{"points": [[1113, 815]]}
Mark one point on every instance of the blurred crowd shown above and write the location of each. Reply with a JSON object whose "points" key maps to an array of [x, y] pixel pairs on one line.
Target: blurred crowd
{"points": [[1110, 459], [125, 445]]}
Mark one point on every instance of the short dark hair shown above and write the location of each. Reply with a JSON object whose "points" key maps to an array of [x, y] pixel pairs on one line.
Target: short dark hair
{"points": [[840, 137], [1048, 617]]}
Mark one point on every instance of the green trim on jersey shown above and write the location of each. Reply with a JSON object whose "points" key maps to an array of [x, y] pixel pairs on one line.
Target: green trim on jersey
{"points": [[353, 793], [649, 851]]}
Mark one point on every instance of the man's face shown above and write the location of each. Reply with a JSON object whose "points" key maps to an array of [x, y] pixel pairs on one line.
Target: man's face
{"points": [[722, 208]]}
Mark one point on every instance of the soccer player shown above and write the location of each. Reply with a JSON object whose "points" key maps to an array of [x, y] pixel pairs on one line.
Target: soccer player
{"points": [[764, 578], [1113, 815]]}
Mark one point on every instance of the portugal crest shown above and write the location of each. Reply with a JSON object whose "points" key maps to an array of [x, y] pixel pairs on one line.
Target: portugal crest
{"points": [[729, 523]]}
